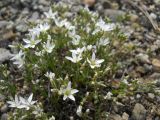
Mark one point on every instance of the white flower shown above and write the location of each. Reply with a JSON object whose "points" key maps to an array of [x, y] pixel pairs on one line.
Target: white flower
{"points": [[103, 42], [43, 27], [38, 29], [50, 14], [27, 103], [108, 96], [94, 62], [75, 58], [96, 31], [60, 23], [40, 53], [31, 43], [18, 59], [15, 103], [52, 118], [75, 38], [48, 47], [79, 111], [89, 47], [78, 51], [38, 111], [69, 26], [20, 102], [50, 75], [68, 92], [105, 27]]}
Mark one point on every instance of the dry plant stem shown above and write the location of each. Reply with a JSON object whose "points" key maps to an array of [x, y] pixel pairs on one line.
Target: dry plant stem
{"points": [[145, 12]]}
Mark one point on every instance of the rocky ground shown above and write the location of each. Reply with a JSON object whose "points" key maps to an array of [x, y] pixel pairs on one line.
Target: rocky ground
{"points": [[139, 19]]}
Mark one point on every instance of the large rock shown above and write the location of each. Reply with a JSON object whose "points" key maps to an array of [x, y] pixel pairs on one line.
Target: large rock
{"points": [[139, 112], [4, 55], [4, 116], [113, 14], [115, 117]]}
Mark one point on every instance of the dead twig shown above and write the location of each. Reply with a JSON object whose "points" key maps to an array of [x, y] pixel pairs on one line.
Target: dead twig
{"points": [[145, 12]]}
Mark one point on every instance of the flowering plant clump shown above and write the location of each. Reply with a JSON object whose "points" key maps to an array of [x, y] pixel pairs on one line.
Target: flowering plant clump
{"points": [[67, 61]]}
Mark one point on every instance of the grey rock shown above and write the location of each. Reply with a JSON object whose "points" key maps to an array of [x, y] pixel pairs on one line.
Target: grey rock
{"points": [[158, 98], [157, 118], [73, 2], [151, 95], [155, 76], [99, 7], [138, 96], [4, 55], [44, 2], [113, 14], [4, 116], [34, 17], [139, 112], [4, 24], [148, 68], [144, 58], [2, 97], [4, 108], [158, 83], [125, 116], [115, 117], [22, 27]]}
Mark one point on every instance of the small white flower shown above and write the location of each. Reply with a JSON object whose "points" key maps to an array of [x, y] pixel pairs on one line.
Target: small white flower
{"points": [[69, 26], [89, 47], [79, 111], [20, 102], [103, 42], [52, 118], [40, 53], [31, 43], [18, 59], [68, 92], [48, 47], [75, 58], [38, 111], [27, 103], [43, 27], [15, 103], [96, 31], [105, 27], [94, 62], [78, 51], [50, 14], [60, 23], [38, 29], [50, 75], [75, 38], [108, 96]]}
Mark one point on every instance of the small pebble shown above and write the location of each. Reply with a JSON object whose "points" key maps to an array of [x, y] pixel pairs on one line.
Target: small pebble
{"points": [[4, 108], [151, 95]]}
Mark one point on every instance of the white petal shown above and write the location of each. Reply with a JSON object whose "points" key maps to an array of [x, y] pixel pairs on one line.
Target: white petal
{"points": [[71, 97], [22, 100], [100, 61], [88, 61], [26, 40], [69, 85], [65, 97], [93, 56], [30, 98], [73, 91], [69, 58], [16, 99]]}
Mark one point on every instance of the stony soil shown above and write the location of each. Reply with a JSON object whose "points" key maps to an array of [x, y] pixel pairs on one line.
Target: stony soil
{"points": [[141, 27]]}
